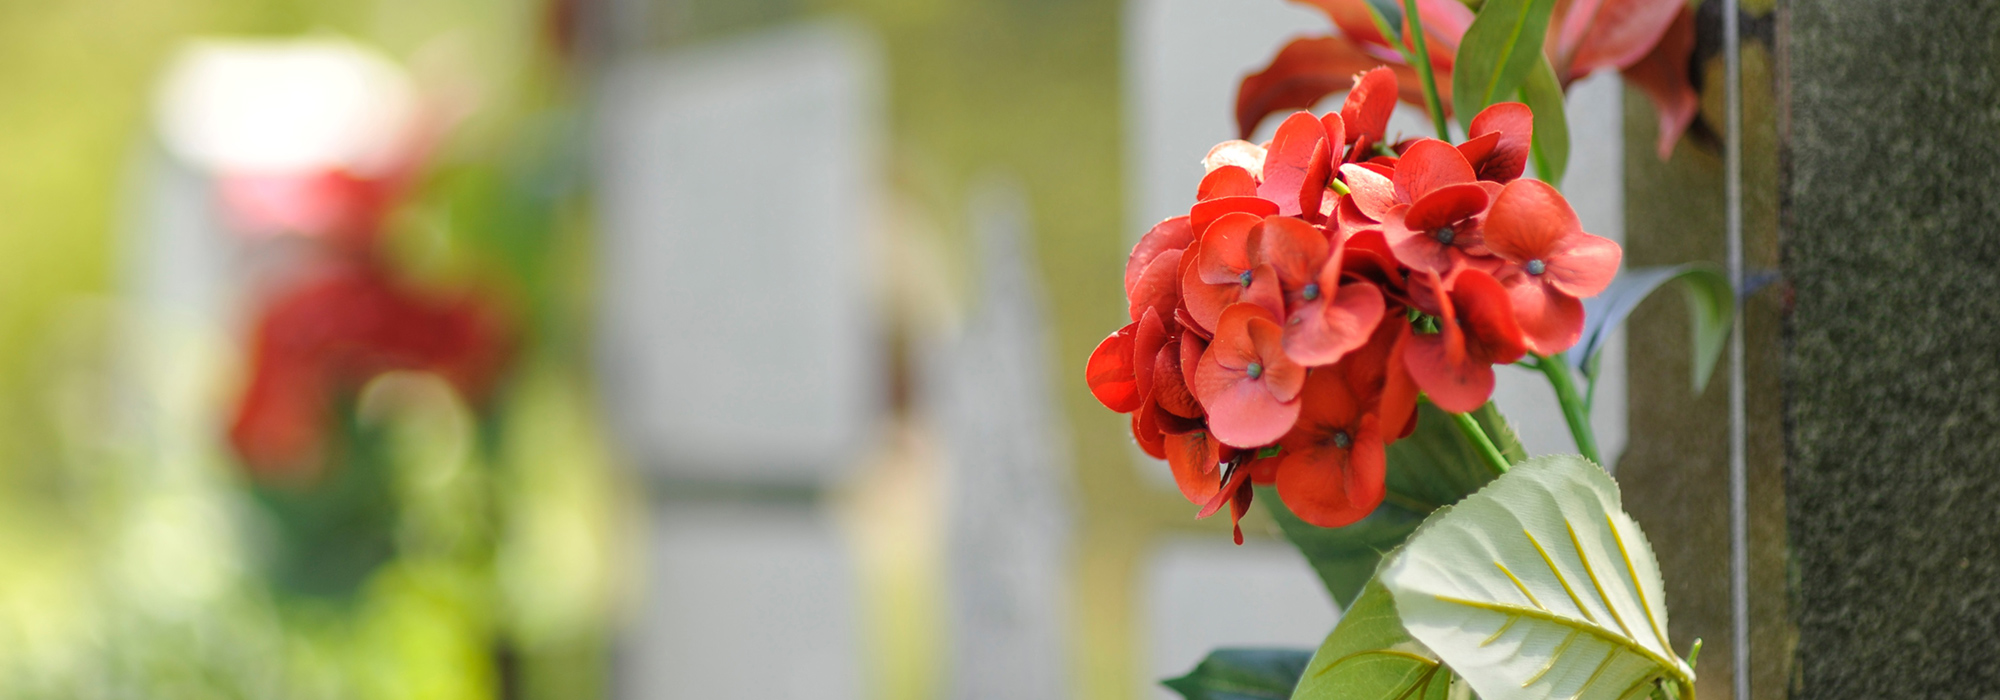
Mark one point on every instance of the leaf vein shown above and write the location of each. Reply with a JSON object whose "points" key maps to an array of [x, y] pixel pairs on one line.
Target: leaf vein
{"points": [[1571, 623], [1553, 658], [1633, 571], [1574, 599], [1591, 571]]}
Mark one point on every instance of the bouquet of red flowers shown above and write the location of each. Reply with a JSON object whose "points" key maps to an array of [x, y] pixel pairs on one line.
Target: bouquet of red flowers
{"points": [[1327, 283], [1282, 330]]}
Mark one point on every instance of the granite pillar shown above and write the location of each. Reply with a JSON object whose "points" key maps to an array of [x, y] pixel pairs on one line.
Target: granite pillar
{"points": [[1892, 352]]}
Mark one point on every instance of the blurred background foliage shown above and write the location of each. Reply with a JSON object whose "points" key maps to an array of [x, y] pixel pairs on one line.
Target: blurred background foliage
{"points": [[139, 560]]}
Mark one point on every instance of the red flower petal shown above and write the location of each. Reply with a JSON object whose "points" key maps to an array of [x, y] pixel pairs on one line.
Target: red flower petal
{"points": [[1294, 249], [1527, 220], [1303, 72], [1227, 181], [1322, 331], [1486, 312], [1172, 234], [1663, 75], [1611, 33], [1336, 135], [1204, 214], [1336, 492], [1398, 407], [1150, 440], [1368, 106], [1148, 338], [1551, 321], [1109, 372], [1229, 248], [1583, 265], [1194, 458], [1289, 157], [1170, 389], [1445, 206], [1429, 165], [1158, 289], [1373, 194], [1244, 410], [1225, 269], [1438, 364], [1514, 126], [1353, 18], [1476, 329]]}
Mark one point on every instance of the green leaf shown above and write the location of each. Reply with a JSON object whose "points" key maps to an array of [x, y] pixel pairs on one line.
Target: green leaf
{"points": [[1370, 657], [1388, 15], [1434, 466], [1500, 49], [1711, 308], [1538, 587], [1243, 674], [1543, 94]]}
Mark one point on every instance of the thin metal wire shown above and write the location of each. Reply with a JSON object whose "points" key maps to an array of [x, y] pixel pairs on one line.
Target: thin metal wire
{"points": [[1739, 496]]}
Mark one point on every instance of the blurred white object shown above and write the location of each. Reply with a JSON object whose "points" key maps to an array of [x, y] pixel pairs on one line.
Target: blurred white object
{"points": [[738, 333], [1007, 472], [1202, 593], [285, 106]]}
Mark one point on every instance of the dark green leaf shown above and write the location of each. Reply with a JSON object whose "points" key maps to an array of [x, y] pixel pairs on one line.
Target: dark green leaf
{"points": [[1710, 305], [1500, 49], [1369, 656], [1388, 16], [1543, 94], [1243, 674], [1434, 466]]}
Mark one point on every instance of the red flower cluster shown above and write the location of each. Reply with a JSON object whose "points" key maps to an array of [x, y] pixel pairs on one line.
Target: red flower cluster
{"points": [[1282, 330]]}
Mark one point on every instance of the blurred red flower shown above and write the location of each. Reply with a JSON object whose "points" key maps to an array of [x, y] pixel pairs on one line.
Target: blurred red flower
{"points": [[1650, 41], [332, 333]]}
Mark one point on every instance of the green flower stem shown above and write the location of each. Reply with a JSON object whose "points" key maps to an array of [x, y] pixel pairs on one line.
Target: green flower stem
{"points": [[1575, 410], [1470, 426], [1422, 61]]}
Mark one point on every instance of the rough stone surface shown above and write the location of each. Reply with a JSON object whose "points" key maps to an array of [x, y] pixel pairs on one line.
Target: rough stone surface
{"points": [[1892, 368]]}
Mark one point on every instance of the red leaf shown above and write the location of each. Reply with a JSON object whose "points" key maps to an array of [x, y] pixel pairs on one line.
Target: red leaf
{"points": [[1303, 72], [1663, 76]]}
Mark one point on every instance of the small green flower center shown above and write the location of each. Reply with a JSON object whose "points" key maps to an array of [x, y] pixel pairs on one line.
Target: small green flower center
{"points": [[1254, 370], [1445, 235], [1341, 439], [1311, 291], [1536, 267], [1244, 278]]}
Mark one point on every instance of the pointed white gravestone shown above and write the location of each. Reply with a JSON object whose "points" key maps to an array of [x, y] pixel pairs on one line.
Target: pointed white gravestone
{"points": [[1006, 481]]}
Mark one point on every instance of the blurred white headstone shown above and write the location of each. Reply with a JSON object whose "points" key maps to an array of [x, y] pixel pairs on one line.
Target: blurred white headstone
{"points": [[1007, 471], [743, 601], [736, 187]]}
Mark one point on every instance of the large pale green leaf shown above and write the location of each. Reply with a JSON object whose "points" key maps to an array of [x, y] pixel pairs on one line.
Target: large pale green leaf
{"points": [[1434, 466], [1369, 657], [1242, 674], [1711, 308], [1543, 94], [1540, 587], [1500, 49]]}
